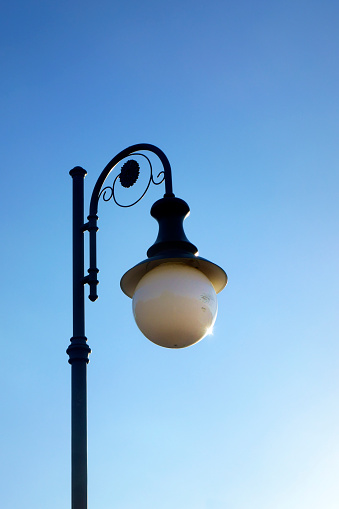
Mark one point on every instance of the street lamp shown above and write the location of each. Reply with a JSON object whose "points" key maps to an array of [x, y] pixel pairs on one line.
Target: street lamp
{"points": [[173, 291]]}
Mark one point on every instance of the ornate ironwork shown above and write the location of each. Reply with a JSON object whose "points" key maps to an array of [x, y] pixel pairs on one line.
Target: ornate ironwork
{"points": [[129, 173], [78, 350], [128, 176]]}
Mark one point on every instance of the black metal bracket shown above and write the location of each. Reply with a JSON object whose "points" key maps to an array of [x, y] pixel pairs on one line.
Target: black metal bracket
{"points": [[128, 176]]}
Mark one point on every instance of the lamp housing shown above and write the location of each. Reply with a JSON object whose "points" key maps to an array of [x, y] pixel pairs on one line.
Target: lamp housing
{"points": [[173, 290]]}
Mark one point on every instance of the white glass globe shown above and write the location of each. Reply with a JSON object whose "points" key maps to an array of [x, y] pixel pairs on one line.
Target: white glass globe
{"points": [[175, 305]]}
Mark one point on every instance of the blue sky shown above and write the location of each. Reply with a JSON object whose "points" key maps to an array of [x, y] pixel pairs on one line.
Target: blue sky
{"points": [[243, 99]]}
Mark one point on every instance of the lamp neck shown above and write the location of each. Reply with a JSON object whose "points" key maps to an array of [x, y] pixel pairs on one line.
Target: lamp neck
{"points": [[170, 213]]}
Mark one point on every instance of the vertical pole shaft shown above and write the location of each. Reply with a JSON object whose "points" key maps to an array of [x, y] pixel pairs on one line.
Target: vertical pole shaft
{"points": [[78, 350]]}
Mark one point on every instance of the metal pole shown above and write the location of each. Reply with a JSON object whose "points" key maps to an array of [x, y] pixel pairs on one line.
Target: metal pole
{"points": [[78, 350]]}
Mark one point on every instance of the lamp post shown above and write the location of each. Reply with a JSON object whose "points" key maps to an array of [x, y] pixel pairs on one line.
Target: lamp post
{"points": [[173, 290]]}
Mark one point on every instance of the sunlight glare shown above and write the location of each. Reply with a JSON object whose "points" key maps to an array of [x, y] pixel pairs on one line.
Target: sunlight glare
{"points": [[209, 331]]}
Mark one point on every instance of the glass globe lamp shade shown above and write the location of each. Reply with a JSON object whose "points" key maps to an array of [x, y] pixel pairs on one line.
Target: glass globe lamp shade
{"points": [[175, 305]]}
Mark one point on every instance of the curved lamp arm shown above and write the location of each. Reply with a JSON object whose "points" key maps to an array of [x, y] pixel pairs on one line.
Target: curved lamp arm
{"points": [[91, 225]]}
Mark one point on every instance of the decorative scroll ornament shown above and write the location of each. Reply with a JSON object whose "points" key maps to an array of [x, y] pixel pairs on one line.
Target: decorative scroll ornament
{"points": [[128, 176], [129, 173]]}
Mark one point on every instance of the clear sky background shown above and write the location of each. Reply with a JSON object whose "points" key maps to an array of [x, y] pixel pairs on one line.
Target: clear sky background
{"points": [[243, 98]]}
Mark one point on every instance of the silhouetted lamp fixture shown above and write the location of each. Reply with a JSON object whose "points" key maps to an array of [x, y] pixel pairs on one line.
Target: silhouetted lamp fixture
{"points": [[173, 291]]}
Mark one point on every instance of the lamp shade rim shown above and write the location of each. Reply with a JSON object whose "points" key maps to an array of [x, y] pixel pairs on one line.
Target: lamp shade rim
{"points": [[213, 272]]}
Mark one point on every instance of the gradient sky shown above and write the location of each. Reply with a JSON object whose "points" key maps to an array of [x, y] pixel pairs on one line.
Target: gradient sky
{"points": [[243, 97]]}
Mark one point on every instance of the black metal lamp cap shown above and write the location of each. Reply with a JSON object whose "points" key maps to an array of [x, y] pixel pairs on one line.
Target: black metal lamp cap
{"points": [[172, 245], [170, 214]]}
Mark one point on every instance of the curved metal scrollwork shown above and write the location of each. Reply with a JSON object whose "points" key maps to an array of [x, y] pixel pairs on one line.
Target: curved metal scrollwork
{"points": [[128, 176]]}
